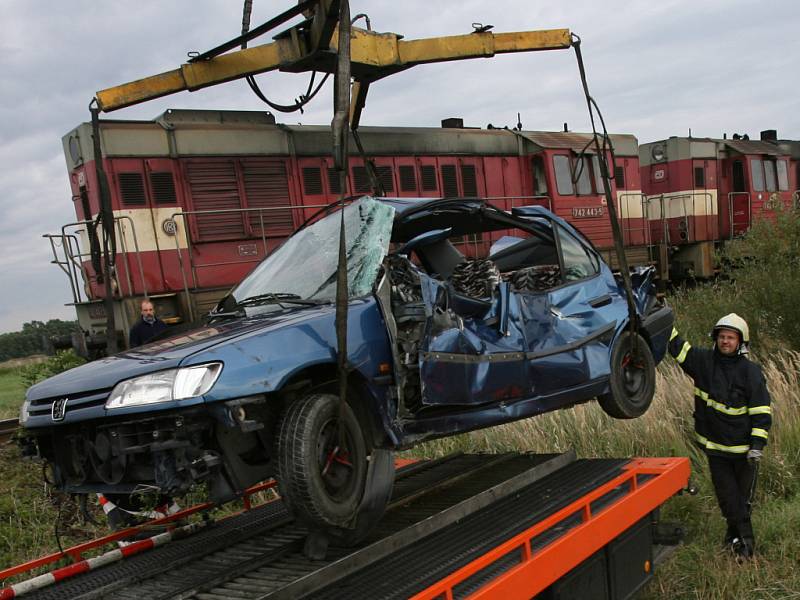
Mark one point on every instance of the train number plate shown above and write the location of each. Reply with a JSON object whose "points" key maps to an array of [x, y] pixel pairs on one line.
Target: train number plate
{"points": [[587, 212]]}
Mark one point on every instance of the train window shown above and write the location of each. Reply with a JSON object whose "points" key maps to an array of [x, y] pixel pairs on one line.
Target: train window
{"points": [[163, 186], [361, 180], [598, 175], [700, 177], [408, 180], [449, 183], [563, 175], [769, 172], [131, 188], [384, 173], [578, 261], [469, 181], [619, 176], [312, 181], [428, 173], [539, 177], [582, 176], [334, 185], [783, 175], [757, 173]]}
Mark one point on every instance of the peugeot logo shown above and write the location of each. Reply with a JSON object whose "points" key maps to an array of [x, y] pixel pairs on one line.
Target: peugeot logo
{"points": [[59, 409]]}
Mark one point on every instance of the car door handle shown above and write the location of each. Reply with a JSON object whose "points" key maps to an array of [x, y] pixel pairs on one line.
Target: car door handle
{"points": [[600, 301]]}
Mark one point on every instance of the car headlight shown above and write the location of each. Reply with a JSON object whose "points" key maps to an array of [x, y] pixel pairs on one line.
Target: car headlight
{"points": [[23, 413], [163, 386]]}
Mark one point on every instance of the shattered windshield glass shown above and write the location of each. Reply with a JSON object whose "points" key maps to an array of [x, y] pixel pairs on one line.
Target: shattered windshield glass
{"points": [[304, 267]]}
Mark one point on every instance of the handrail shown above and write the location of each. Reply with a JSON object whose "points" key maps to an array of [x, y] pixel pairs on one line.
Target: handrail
{"points": [[686, 214], [185, 214], [645, 229], [510, 206]]}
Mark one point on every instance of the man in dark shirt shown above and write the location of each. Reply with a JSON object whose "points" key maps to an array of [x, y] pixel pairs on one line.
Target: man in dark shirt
{"points": [[732, 418], [147, 327]]}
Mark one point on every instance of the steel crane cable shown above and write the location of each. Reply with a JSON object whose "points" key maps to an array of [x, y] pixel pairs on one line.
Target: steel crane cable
{"points": [[612, 209], [302, 100]]}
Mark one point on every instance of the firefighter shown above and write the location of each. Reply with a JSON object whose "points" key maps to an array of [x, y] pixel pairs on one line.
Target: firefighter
{"points": [[732, 417]]}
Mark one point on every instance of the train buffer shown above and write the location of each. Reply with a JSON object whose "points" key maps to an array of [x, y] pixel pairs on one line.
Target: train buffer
{"points": [[462, 526]]}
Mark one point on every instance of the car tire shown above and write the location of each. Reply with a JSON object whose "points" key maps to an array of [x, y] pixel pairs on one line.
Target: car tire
{"points": [[323, 486], [632, 381]]}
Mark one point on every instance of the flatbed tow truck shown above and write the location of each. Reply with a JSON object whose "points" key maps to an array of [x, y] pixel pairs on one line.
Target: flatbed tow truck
{"points": [[462, 526]]}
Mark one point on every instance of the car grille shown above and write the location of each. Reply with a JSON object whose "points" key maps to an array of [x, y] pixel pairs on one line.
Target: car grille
{"points": [[90, 399]]}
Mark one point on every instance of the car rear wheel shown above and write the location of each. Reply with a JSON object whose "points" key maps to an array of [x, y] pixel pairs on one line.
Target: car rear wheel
{"points": [[633, 378], [322, 475]]}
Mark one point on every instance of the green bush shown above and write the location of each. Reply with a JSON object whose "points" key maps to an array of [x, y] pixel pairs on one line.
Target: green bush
{"points": [[760, 281], [62, 361]]}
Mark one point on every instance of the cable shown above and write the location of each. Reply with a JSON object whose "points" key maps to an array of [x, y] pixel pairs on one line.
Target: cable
{"points": [[607, 146], [301, 100]]}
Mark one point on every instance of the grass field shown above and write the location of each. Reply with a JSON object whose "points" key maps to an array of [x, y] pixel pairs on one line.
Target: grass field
{"points": [[12, 392], [30, 511]]}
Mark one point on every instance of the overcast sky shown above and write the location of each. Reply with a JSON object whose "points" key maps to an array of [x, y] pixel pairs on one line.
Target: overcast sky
{"points": [[656, 69]]}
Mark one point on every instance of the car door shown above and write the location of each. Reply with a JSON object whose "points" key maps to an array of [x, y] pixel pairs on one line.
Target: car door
{"points": [[569, 328], [472, 351]]}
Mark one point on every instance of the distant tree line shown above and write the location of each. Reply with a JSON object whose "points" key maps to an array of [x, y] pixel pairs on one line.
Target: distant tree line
{"points": [[34, 338]]}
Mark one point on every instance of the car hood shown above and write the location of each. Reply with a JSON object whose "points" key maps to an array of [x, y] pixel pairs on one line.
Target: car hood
{"points": [[168, 353]]}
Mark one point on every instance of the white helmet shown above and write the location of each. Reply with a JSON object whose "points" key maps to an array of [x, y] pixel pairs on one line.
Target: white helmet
{"points": [[735, 323]]}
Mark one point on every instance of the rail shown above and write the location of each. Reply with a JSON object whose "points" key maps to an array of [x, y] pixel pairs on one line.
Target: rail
{"points": [[72, 261], [625, 220], [731, 198], [8, 428]]}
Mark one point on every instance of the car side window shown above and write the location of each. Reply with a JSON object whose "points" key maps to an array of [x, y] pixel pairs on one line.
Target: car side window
{"points": [[579, 262]]}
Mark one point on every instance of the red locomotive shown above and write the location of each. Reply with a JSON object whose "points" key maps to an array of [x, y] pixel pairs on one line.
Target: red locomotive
{"points": [[200, 197]]}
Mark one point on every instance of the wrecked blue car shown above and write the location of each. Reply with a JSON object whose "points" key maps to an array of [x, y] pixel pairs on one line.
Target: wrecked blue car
{"points": [[440, 341]]}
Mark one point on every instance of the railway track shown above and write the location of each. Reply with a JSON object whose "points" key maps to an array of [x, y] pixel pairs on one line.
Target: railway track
{"points": [[8, 427], [260, 554]]}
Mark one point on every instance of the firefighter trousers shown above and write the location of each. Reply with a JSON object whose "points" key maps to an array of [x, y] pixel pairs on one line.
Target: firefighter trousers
{"points": [[733, 481]]}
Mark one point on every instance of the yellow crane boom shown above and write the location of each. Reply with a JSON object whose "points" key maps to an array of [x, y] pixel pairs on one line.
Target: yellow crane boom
{"points": [[373, 56]]}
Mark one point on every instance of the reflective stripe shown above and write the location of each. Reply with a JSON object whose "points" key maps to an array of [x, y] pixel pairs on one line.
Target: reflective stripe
{"points": [[684, 351], [718, 405], [673, 335], [759, 410], [722, 448], [757, 432]]}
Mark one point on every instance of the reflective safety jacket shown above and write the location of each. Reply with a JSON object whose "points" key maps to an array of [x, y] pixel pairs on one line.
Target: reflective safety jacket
{"points": [[732, 411]]}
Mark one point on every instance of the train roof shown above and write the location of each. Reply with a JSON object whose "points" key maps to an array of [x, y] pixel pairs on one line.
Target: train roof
{"points": [[679, 148], [216, 132]]}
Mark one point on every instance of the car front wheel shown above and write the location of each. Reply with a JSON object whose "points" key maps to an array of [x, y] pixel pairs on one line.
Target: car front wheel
{"points": [[322, 474], [633, 378]]}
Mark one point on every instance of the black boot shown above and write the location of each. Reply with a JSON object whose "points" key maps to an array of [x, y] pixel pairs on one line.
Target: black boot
{"points": [[731, 533]]}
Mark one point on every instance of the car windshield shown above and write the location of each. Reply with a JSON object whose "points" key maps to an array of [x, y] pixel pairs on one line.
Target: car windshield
{"points": [[304, 267]]}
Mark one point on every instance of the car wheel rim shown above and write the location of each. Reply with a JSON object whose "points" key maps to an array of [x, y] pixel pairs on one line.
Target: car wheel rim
{"points": [[335, 461], [633, 375]]}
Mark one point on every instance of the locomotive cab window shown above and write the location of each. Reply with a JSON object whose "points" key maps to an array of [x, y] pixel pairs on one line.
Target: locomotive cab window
{"points": [[699, 177], [582, 176], [539, 177], [757, 175], [769, 176], [783, 175], [561, 166]]}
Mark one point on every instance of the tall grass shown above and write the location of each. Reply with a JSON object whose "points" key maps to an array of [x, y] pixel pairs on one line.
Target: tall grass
{"points": [[701, 568]]}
